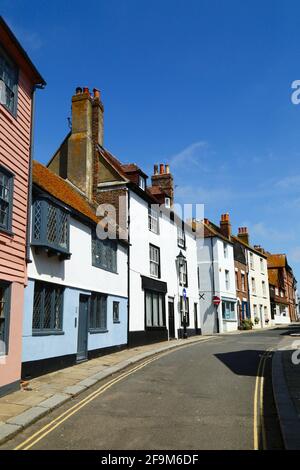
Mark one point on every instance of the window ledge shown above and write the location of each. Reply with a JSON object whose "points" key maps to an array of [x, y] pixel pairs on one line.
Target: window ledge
{"points": [[104, 269], [47, 333], [8, 113], [7, 232], [116, 322], [52, 251], [96, 331]]}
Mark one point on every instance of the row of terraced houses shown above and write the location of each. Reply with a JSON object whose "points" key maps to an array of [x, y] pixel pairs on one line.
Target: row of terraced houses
{"points": [[93, 256]]}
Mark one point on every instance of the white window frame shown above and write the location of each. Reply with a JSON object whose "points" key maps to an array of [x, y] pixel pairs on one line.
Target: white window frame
{"points": [[142, 183], [251, 260], [227, 279], [253, 285], [180, 237], [154, 254], [153, 220]]}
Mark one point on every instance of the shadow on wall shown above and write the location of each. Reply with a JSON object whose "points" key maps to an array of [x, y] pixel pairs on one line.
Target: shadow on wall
{"points": [[49, 266]]}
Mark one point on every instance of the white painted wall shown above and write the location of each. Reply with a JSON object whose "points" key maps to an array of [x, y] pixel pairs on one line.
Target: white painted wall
{"points": [[78, 272], [211, 259], [166, 240], [258, 298]]}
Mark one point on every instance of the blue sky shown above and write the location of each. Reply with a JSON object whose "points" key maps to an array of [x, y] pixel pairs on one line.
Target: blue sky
{"points": [[202, 84]]}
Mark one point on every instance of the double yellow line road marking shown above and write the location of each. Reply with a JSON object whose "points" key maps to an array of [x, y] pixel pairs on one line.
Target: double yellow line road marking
{"points": [[43, 432], [260, 440], [258, 424]]}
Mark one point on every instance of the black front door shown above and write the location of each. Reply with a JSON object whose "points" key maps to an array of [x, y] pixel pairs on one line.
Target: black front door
{"points": [[171, 319], [82, 348]]}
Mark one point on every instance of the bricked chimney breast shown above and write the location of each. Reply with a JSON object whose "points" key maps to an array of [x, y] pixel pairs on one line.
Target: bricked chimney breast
{"points": [[164, 179], [243, 234], [225, 225]]}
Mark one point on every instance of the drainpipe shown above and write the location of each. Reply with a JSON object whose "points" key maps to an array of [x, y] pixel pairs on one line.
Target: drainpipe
{"points": [[128, 265], [213, 280], [31, 151]]}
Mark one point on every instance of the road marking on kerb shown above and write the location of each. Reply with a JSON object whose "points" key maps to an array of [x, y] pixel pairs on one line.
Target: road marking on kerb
{"points": [[258, 414], [43, 432]]}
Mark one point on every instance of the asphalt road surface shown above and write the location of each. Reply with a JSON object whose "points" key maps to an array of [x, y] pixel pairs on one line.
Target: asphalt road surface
{"points": [[215, 394]]}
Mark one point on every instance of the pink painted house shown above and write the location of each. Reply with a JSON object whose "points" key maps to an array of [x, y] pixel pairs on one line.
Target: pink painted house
{"points": [[18, 81]]}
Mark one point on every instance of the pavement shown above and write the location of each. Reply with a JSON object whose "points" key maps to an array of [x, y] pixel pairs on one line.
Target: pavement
{"points": [[41, 395], [286, 386]]}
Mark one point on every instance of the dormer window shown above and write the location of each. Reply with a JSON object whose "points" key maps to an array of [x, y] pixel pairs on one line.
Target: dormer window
{"points": [[142, 183], [50, 227]]}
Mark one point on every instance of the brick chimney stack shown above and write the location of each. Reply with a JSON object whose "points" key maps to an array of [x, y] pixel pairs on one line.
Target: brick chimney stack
{"points": [[80, 142], [243, 235], [164, 179], [97, 118], [225, 225]]}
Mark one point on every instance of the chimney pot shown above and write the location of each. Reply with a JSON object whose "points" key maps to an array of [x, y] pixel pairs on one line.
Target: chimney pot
{"points": [[156, 169], [86, 90], [96, 93], [161, 168], [78, 90], [167, 169]]}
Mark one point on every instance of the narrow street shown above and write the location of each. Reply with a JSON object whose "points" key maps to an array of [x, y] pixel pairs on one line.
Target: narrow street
{"points": [[205, 396]]}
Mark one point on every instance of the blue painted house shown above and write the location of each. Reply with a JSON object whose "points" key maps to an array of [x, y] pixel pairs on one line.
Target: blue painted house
{"points": [[76, 298]]}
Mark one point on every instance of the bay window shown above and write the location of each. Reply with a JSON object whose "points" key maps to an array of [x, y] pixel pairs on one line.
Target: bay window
{"points": [[50, 226]]}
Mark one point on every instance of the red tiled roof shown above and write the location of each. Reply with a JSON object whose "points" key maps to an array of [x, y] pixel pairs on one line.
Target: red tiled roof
{"points": [[277, 261], [132, 168], [273, 277], [61, 190]]}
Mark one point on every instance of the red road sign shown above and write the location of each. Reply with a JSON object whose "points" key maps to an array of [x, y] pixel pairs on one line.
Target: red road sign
{"points": [[216, 300]]}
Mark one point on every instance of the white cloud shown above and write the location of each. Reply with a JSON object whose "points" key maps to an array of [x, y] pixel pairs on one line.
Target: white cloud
{"points": [[289, 182], [266, 232], [191, 155]]}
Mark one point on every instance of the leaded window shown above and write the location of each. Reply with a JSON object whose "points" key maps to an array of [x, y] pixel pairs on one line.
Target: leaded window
{"points": [[8, 83], [6, 197], [50, 225], [4, 317], [155, 309], [47, 307], [104, 253], [154, 253], [98, 312]]}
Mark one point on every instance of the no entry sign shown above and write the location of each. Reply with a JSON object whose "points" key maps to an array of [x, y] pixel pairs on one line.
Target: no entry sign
{"points": [[216, 300]]}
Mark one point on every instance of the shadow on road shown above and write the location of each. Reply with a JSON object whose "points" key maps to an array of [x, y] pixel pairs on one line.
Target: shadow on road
{"points": [[243, 362]]}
